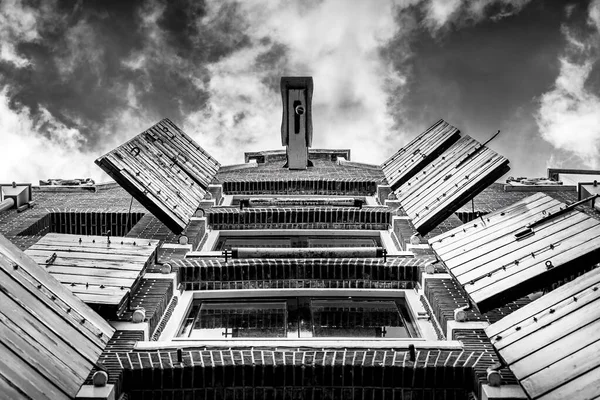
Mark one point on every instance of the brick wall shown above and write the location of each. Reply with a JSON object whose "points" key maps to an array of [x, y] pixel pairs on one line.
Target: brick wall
{"points": [[399, 273], [84, 223], [377, 218], [476, 340], [445, 295], [347, 187], [494, 198], [154, 296], [149, 227], [120, 342], [105, 201], [301, 374], [323, 170]]}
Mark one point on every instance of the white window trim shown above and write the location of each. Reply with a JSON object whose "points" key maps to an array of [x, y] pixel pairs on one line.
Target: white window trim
{"points": [[424, 328], [213, 237], [228, 198]]}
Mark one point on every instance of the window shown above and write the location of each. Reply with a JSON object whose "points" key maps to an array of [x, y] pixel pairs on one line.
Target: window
{"points": [[298, 318], [296, 241]]}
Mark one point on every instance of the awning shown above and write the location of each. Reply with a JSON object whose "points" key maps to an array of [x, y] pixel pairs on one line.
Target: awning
{"points": [[49, 339], [165, 170], [449, 181], [519, 249], [423, 149], [100, 270], [552, 344]]}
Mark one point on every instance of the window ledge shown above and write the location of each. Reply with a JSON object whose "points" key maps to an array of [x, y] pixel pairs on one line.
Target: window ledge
{"points": [[318, 343]]}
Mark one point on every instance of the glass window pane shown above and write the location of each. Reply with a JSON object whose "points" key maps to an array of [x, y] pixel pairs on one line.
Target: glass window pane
{"points": [[357, 318], [298, 317], [227, 243], [220, 320]]}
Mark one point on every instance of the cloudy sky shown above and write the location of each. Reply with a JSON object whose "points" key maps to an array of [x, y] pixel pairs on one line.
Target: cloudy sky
{"points": [[77, 78]]}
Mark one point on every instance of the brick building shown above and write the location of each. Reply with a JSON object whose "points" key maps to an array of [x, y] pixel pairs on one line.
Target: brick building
{"points": [[299, 274]]}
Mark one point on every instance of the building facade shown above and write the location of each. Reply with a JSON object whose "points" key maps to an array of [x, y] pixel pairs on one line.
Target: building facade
{"points": [[317, 278]]}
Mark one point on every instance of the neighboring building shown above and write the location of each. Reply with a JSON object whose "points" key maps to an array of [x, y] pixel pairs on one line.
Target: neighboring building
{"points": [[299, 274]]}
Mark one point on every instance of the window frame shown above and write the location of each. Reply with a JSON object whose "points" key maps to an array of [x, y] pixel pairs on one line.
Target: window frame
{"points": [[424, 329]]}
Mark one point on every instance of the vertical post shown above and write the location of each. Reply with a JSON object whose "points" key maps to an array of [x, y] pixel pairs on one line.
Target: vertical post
{"points": [[296, 125]]}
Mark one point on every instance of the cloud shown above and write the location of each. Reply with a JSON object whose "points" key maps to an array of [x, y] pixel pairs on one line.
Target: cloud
{"points": [[86, 76], [17, 24], [338, 44], [444, 14], [594, 14], [23, 147], [568, 116]]}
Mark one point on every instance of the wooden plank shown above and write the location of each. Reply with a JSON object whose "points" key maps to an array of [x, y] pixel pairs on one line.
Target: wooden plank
{"points": [[450, 205], [465, 258], [442, 241], [91, 271], [576, 246], [412, 190], [554, 352], [202, 172], [189, 148], [186, 183], [457, 197], [182, 144], [560, 308], [199, 177], [88, 256], [582, 387], [139, 189], [470, 246], [141, 251], [448, 181], [49, 316], [493, 265], [87, 263], [433, 180], [545, 302], [532, 248], [465, 178], [551, 344], [186, 171], [52, 365], [34, 384], [559, 373], [549, 327], [452, 179], [104, 299], [8, 391], [47, 340], [144, 174], [97, 241], [410, 159], [96, 280], [426, 140], [96, 323], [153, 202], [111, 296], [163, 178]]}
